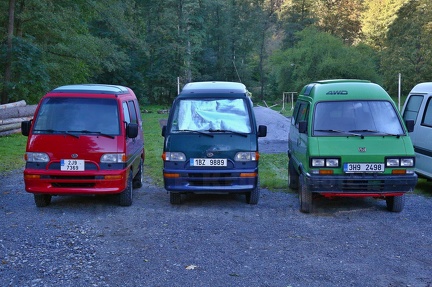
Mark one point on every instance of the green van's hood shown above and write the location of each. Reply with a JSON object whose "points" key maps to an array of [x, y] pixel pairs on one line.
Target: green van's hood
{"points": [[221, 145], [368, 149]]}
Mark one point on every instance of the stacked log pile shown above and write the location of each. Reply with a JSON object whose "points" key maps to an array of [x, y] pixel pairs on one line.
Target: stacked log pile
{"points": [[11, 116]]}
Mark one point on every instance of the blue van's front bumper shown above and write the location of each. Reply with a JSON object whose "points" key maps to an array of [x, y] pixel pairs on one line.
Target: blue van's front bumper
{"points": [[360, 184], [219, 181]]}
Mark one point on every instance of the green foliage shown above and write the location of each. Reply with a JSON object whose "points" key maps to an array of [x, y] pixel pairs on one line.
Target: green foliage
{"points": [[317, 56]]}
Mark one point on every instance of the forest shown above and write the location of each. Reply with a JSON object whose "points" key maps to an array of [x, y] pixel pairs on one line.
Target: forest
{"points": [[272, 46]]}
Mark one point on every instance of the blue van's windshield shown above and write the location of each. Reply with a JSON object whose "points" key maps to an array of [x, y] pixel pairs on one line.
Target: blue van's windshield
{"points": [[211, 115], [362, 117], [77, 115]]}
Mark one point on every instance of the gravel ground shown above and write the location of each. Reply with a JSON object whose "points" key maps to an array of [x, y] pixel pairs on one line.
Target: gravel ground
{"points": [[211, 240]]}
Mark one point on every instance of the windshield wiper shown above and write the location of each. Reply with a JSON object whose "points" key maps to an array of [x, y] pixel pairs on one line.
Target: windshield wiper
{"points": [[198, 132], [377, 132], [73, 133], [228, 131], [342, 132]]}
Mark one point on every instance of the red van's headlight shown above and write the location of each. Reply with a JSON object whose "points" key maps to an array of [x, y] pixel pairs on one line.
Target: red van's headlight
{"points": [[113, 158], [36, 157]]}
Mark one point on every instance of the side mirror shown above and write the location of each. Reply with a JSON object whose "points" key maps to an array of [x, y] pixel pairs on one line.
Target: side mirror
{"points": [[164, 131], [409, 125], [262, 131], [132, 130], [25, 128], [302, 127]]}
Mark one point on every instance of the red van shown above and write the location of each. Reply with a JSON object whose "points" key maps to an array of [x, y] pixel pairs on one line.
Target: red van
{"points": [[84, 140]]}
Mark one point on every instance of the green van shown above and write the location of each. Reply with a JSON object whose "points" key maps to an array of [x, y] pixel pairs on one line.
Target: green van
{"points": [[348, 139], [211, 142]]}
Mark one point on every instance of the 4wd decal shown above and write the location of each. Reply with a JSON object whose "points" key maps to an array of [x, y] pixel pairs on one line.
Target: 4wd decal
{"points": [[337, 92]]}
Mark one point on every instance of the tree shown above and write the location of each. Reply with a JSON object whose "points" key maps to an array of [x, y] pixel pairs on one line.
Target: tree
{"points": [[319, 56], [8, 61], [408, 47]]}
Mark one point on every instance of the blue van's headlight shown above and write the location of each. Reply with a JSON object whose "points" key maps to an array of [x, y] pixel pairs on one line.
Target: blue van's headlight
{"points": [[36, 157], [173, 156], [246, 156]]}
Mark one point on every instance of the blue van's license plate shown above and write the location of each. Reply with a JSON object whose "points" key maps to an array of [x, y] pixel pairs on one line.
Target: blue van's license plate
{"points": [[363, 167], [72, 165], [208, 162]]}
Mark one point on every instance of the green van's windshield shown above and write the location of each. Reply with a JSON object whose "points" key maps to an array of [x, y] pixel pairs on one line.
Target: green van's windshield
{"points": [[77, 116], [211, 115], [356, 118]]}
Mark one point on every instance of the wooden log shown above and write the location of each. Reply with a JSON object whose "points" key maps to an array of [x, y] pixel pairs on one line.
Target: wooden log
{"points": [[9, 132], [10, 127], [14, 120], [17, 112], [21, 103]]}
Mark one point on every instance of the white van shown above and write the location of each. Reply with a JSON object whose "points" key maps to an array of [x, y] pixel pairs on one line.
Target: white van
{"points": [[418, 107]]}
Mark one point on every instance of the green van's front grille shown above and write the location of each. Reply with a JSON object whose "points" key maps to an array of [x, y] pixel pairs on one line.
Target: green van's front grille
{"points": [[363, 185]]}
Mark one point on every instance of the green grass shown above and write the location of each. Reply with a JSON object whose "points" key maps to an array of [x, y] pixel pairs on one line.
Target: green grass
{"points": [[12, 149]]}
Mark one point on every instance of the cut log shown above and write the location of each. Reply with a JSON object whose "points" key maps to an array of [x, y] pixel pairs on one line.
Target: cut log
{"points": [[15, 104], [10, 127], [14, 120], [9, 132], [17, 112]]}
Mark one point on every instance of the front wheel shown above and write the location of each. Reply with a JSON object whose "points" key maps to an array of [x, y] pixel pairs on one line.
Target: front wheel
{"points": [[252, 197], [305, 196], [42, 200], [125, 197], [175, 198], [395, 203], [293, 176], [138, 179]]}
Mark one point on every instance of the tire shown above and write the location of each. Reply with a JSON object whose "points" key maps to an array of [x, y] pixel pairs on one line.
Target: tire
{"points": [[252, 197], [42, 200], [125, 197], [305, 197], [175, 198], [293, 176], [138, 179], [395, 203]]}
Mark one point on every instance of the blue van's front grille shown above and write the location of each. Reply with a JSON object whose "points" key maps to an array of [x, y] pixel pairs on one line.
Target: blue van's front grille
{"points": [[213, 179]]}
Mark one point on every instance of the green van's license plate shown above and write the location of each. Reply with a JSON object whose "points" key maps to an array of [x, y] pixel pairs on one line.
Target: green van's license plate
{"points": [[208, 162], [363, 167], [72, 165]]}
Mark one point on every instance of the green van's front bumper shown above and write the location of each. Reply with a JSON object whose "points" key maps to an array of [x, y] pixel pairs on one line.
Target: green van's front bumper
{"points": [[360, 184]]}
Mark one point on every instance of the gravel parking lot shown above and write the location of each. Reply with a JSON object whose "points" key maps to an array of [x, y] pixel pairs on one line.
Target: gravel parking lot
{"points": [[212, 240]]}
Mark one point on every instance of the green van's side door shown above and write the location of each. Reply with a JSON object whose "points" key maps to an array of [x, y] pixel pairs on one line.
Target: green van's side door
{"points": [[298, 141]]}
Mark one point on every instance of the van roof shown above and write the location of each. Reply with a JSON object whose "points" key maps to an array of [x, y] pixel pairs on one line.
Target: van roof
{"points": [[92, 89], [344, 89], [422, 88], [225, 88]]}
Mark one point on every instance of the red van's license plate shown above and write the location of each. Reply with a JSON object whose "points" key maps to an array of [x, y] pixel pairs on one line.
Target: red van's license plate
{"points": [[208, 162], [72, 165]]}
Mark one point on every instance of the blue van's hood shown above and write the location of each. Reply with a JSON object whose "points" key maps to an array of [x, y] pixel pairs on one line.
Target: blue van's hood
{"points": [[220, 145]]}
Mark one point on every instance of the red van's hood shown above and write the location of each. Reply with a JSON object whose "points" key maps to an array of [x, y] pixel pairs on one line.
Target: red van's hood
{"points": [[63, 146]]}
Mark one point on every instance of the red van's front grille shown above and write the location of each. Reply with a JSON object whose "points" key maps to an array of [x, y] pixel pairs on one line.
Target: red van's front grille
{"points": [[73, 184]]}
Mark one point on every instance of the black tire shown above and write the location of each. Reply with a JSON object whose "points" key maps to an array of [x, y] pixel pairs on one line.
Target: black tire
{"points": [[293, 176], [138, 179], [305, 197], [175, 198], [252, 197], [395, 203], [42, 200], [125, 197]]}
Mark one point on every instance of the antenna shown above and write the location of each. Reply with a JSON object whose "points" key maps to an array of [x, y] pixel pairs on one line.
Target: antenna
{"points": [[236, 69]]}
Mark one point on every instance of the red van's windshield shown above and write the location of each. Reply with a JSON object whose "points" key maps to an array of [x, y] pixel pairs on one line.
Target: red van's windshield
{"points": [[77, 115]]}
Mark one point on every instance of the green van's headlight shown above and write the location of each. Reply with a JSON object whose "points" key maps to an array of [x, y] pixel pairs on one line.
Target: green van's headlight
{"points": [[400, 162], [325, 162], [408, 162], [173, 156]]}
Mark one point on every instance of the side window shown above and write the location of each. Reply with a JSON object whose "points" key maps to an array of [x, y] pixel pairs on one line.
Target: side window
{"points": [[412, 108], [126, 113], [132, 111], [295, 112], [427, 118], [302, 114]]}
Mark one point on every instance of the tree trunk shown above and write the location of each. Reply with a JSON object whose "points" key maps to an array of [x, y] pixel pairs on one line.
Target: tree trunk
{"points": [[18, 112], [8, 65]]}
